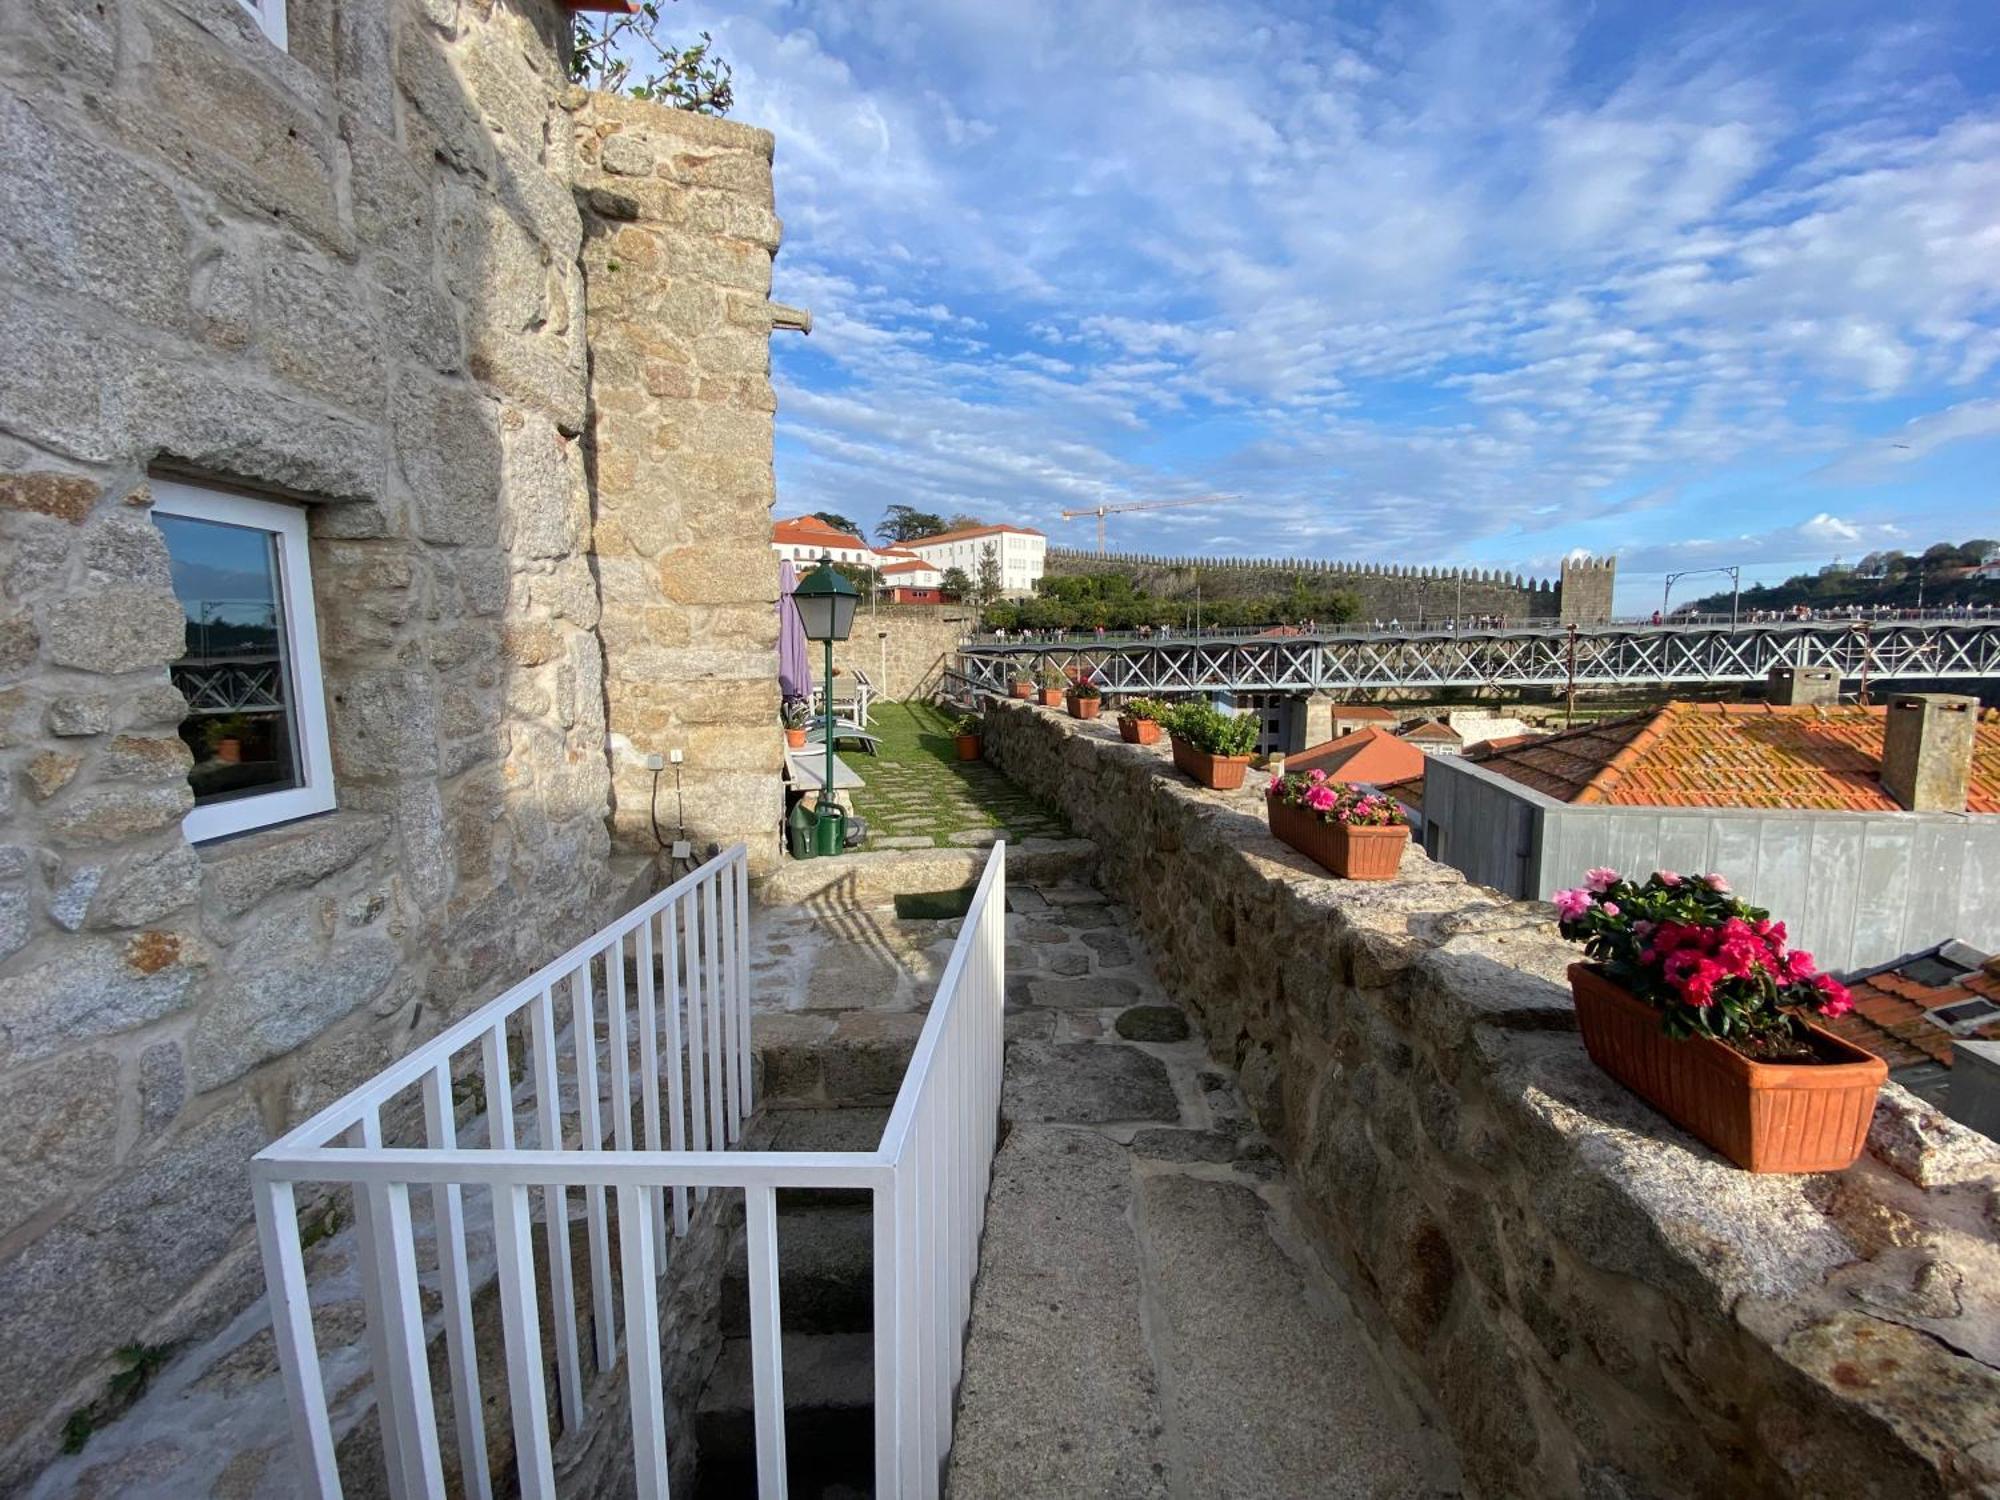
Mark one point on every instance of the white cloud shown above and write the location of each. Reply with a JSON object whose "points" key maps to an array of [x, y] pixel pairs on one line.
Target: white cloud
{"points": [[1452, 281]]}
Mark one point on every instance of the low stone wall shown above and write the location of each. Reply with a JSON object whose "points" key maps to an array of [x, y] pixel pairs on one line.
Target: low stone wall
{"points": [[1602, 1306], [903, 648]]}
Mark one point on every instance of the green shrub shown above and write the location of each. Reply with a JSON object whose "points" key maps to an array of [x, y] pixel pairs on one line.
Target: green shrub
{"points": [[1052, 677], [1211, 731], [1146, 708]]}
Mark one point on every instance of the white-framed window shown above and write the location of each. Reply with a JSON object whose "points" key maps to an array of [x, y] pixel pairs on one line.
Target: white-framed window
{"points": [[256, 705], [270, 18]]}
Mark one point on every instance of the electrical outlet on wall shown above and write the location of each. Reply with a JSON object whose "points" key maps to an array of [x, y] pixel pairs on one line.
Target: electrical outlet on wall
{"points": [[654, 761], [677, 755], [683, 849]]}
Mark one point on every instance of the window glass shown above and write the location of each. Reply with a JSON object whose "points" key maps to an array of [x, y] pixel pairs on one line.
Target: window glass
{"points": [[236, 672]]}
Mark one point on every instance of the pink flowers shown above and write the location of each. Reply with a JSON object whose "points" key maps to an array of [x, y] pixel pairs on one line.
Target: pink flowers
{"points": [[1571, 905], [1332, 802], [1320, 797], [1709, 961]]}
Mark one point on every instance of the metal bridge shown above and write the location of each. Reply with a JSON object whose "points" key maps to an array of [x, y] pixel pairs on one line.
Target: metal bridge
{"points": [[1558, 657]]}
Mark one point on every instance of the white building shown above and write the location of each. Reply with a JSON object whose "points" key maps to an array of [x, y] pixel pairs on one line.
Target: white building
{"points": [[806, 539], [1021, 552]]}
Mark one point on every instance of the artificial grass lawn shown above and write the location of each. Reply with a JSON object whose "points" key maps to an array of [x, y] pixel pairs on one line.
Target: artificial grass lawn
{"points": [[917, 788]]}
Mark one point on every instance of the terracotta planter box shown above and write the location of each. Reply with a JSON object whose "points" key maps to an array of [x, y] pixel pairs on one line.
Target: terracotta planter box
{"points": [[1052, 697], [1084, 708], [795, 739], [1138, 731], [968, 746], [1765, 1117], [1020, 690], [1351, 853], [1221, 773]]}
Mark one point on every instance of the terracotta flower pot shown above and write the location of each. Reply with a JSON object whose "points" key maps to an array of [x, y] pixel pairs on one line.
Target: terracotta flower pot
{"points": [[795, 739], [1221, 773], [1353, 853], [1765, 1117], [1020, 689], [1138, 731], [968, 746], [1052, 697], [229, 752], [1084, 708]]}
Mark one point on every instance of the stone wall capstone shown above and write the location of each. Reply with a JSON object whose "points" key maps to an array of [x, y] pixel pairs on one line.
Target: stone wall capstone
{"points": [[1602, 1306]]}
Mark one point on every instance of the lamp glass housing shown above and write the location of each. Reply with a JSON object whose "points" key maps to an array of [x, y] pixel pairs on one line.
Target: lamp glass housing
{"points": [[826, 603]]}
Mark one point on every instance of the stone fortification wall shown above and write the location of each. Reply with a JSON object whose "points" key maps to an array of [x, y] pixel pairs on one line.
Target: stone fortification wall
{"points": [[1601, 1306], [679, 234], [903, 648], [1407, 594], [344, 275]]}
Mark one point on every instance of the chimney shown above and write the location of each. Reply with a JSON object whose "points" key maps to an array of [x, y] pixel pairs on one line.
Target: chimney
{"points": [[1927, 750], [1793, 686]]}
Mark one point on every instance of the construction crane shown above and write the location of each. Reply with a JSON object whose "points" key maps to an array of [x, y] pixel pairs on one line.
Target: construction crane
{"points": [[1101, 511]]}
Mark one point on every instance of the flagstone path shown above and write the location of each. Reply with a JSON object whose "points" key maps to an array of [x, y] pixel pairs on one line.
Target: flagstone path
{"points": [[919, 795]]}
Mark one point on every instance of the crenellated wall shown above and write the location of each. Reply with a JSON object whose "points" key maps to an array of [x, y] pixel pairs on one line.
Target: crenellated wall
{"points": [[1386, 591], [1601, 1306]]}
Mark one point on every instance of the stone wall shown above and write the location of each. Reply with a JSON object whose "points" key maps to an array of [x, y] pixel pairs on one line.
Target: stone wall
{"points": [[1386, 592], [347, 275], [1601, 1306], [904, 648], [678, 239]]}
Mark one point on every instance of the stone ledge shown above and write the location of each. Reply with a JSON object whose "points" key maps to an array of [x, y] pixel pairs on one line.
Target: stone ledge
{"points": [[1602, 1304], [239, 873]]}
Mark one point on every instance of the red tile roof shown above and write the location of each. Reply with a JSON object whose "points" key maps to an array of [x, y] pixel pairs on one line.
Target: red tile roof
{"points": [[915, 565], [1363, 712], [1729, 755], [968, 532], [1371, 755], [1434, 732], [1890, 1005], [811, 531]]}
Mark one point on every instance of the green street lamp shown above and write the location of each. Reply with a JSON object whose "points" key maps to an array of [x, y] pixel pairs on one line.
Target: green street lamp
{"points": [[826, 602]]}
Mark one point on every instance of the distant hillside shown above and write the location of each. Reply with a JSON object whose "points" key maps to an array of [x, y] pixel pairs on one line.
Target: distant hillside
{"points": [[1940, 575]]}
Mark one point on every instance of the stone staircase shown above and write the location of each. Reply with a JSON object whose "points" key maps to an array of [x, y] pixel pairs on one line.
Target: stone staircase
{"points": [[826, 1271]]}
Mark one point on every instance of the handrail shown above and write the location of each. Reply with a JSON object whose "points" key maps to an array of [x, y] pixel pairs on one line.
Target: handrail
{"points": [[927, 1176]]}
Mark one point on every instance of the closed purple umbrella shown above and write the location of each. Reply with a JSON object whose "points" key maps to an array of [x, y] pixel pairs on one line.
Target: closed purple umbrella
{"points": [[794, 676]]}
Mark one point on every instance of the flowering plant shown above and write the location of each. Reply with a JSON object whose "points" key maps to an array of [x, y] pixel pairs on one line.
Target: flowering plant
{"points": [[1085, 688], [1710, 963], [1333, 802]]}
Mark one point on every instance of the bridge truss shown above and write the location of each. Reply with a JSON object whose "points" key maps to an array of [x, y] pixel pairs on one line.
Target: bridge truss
{"points": [[1600, 656]]}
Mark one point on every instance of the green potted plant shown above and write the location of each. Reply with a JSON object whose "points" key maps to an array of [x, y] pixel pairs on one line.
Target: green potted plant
{"points": [[1139, 720], [796, 714], [1053, 683], [1692, 999], [1021, 685], [1085, 701], [1356, 832], [968, 735], [223, 737], [1211, 746]]}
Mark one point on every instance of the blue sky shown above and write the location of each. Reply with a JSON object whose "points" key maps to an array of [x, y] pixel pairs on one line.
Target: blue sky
{"points": [[1476, 282]]}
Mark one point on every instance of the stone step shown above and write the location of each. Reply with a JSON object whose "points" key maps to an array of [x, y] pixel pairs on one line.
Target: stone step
{"points": [[829, 1419], [826, 1260], [857, 1129]]}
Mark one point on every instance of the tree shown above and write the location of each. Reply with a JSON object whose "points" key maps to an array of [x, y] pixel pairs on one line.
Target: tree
{"points": [[988, 587], [956, 583], [903, 523], [962, 522], [688, 78], [838, 522]]}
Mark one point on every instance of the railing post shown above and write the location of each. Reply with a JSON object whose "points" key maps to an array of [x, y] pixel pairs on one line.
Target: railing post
{"points": [[642, 1342], [455, 1285], [889, 1339], [292, 1331], [767, 1356]]}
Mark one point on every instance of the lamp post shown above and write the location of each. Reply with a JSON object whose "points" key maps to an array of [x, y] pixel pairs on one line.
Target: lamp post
{"points": [[826, 603], [1735, 589]]}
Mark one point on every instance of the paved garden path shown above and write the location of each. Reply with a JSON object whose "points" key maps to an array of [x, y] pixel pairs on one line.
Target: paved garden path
{"points": [[1149, 1320], [917, 794]]}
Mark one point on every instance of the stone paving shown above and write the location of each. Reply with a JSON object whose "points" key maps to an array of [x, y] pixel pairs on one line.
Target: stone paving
{"points": [[1149, 1319], [918, 795]]}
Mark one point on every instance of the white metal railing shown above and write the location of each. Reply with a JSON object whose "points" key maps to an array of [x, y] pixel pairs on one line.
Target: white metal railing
{"points": [[691, 1012]]}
